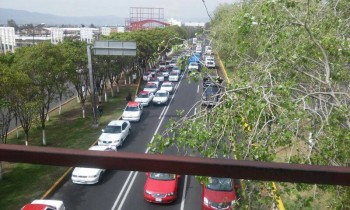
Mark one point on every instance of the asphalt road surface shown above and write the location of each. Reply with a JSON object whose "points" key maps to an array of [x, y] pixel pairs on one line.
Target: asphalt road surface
{"points": [[123, 190]]}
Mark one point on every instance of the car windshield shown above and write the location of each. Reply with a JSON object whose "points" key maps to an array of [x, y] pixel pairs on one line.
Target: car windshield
{"points": [[150, 86], [131, 108], [142, 95], [211, 90], [162, 176], [166, 85], [113, 129], [173, 74], [193, 64], [220, 184], [160, 94], [146, 74]]}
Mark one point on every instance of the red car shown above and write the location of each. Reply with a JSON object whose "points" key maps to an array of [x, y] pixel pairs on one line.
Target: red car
{"points": [[218, 193], [161, 187]]}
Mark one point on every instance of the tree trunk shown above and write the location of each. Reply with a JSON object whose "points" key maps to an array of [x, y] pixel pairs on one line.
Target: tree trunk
{"points": [[83, 110], [0, 170], [60, 108], [44, 137], [26, 137], [106, 96]]}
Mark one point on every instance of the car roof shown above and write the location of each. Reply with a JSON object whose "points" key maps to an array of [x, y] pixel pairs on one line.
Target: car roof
{"points": [[162, 91], [167, 83], [116, 122], [133, 103]]}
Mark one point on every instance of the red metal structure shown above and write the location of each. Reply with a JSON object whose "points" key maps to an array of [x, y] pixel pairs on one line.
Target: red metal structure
{"points": [[145, 18]]}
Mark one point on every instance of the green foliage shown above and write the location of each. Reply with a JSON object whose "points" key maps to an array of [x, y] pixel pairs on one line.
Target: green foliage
{"points": [[290, 86]]}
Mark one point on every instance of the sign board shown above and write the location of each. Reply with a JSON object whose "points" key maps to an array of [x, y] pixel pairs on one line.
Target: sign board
{"points": [[115, 48]]}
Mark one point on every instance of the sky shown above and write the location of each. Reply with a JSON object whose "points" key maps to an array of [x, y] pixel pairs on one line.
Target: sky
{"points": [[185, 9]]}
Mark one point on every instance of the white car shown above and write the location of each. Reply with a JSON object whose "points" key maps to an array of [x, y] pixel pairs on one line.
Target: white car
{"points": [[144, 98], [132, 111], [151, 87], [162, 65], [193, 66], [45, 204], [177, 69], [146, 76], [160, 76], [174, 76], [114, 133], [208, 50], [161, 97], [154, 80], [167, 86], [82, 175], [210, 63]]}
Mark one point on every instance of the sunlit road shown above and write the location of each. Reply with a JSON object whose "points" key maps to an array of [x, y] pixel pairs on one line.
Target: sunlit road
{"points": [[124, 189]]}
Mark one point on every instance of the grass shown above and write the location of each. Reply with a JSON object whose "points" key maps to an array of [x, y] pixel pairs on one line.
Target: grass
{"points": [[23, 183]]}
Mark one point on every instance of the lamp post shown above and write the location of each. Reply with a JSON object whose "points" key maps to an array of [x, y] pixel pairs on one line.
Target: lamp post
{"points": [[37, 26]]}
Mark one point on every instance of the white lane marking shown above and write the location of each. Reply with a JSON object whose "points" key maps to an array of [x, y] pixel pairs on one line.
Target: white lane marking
{"points": [[184, 194], [122, 191], [195, 111], [197, 88], [127, 192], [147, 150], [161, 114]]}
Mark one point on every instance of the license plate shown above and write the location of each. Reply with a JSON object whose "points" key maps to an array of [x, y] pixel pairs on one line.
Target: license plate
{"points": [[158, 199]]}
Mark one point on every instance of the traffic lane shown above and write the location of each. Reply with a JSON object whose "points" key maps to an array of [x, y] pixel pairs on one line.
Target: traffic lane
{"points": [[76, 197], [112, 181], [185, 97], [135, 199]]}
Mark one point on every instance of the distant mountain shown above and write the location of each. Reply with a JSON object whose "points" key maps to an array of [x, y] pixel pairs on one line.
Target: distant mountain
{"points": [[24, 17]]}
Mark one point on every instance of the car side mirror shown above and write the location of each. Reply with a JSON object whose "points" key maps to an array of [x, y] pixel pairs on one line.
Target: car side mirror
{"points": [[147, 173], [103, 130]]}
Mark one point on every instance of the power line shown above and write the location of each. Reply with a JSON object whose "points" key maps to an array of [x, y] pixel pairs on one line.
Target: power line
{"points": [[205, 5]]}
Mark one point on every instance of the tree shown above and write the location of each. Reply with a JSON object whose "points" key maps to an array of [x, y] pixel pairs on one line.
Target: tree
{"points": [[290, 93], [75, 66], [12, 23]]}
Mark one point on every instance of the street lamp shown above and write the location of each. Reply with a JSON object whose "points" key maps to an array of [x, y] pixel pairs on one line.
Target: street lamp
{"points": [[37, 26]]}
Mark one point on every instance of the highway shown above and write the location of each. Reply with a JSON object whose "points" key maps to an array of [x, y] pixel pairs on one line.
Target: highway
{"points": [[124, 189]]}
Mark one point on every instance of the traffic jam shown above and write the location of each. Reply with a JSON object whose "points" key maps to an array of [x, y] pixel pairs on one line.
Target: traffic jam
{"points": [[157, 91]]}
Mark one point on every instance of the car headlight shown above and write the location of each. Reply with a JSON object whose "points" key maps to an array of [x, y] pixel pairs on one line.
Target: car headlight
{"points": [[206, 201], [148, 192], [170, 194], [93, 176]]}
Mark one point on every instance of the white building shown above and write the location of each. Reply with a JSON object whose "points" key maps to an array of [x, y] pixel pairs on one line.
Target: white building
{"points": [[106, 31], [86, 34], [56, 35], [7, 39], [195, 24], [174, 22]]}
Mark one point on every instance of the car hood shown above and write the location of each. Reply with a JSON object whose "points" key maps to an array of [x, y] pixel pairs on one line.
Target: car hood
{"points": [[219, 196], [85, 171], [160, 98], [166, 88], [131, 113], [160, 186], [110, 136]]}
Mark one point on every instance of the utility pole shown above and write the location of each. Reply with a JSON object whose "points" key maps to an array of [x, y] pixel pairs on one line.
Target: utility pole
{"points": [[93, 98]]}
